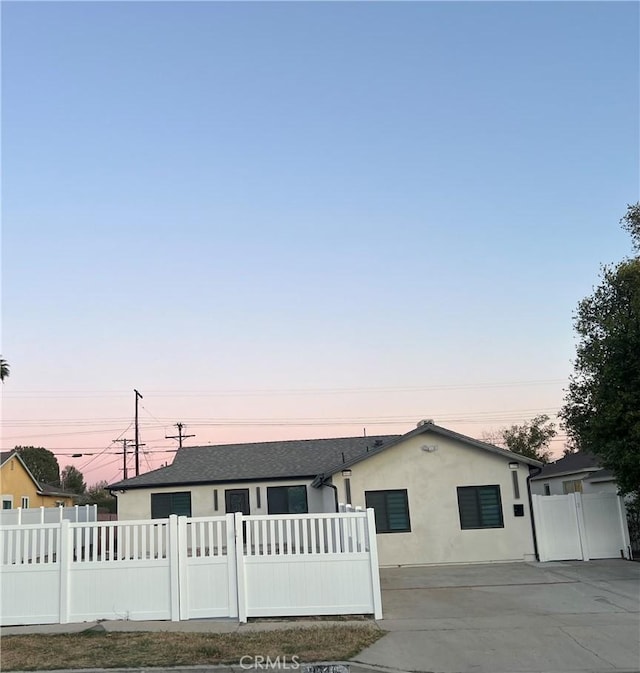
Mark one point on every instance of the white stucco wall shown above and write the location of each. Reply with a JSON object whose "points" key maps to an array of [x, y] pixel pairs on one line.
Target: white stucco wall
{"points": [[556, 488], [431, 479], [136, 503]]}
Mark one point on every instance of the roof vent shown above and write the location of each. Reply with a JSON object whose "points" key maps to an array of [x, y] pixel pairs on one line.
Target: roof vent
{"points": [[378, 442], [425, 421]]}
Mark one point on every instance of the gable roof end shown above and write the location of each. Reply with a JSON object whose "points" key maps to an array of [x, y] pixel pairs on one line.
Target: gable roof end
{"points": [[430, 426]]}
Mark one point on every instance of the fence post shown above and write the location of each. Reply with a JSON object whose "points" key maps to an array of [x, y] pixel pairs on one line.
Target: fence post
{"points": [[373, 560], [61, 512], [540, 529], [626, 539], [183, 571], [174, 568], [582, 530], [65, 556], [41, 514], [232, 570], [240, 574], [95, 512]]}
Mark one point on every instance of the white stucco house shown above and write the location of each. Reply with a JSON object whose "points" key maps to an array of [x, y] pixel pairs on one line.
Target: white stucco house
{"points": [[439, 496], [574, 473]]}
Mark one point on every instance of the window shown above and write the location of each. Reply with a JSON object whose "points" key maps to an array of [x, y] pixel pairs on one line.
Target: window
{"points": [[215, 499], [165, 504], [547, 489], [391, 509], [258, 498], [24, 502], [287, 500], [480, 507], [7, 502], [572, 486]]}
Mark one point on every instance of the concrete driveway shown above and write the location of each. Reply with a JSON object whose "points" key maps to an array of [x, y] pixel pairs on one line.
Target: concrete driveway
{"points": [[508, 618]]}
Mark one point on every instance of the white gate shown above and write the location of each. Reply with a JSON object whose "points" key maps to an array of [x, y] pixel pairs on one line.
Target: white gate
{"points": [[580, 526]]}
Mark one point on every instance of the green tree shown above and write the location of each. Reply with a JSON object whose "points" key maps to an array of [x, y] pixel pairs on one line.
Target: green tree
{"points": [[99, 494], [4, 369], [72, 480], [42, 464], [530, 439], [602, 404]]}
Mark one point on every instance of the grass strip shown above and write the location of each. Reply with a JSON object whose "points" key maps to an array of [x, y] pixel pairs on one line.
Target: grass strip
{"points": [[104, 649]]}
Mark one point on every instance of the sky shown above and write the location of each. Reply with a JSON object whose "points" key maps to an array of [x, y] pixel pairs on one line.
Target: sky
{"points": [[298, 220]]}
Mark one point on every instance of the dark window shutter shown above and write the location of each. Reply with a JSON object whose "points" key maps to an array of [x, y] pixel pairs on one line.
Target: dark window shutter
{"points": [[480, 507], [391, 509], [165, 504], [276, 500], [397, 511], [160, 505], [287, 500]]}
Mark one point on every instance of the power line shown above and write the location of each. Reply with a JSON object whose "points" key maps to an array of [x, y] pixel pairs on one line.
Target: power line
{"points": [[290, 391]]}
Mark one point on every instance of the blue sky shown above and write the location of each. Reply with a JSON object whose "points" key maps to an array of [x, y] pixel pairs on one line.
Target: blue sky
{"points": [[387, 208]]}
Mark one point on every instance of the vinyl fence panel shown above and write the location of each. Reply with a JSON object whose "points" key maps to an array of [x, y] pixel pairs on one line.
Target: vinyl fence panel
{"points": [[185, 568]]}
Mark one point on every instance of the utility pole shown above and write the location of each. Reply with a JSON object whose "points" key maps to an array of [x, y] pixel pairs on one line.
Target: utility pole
{"points": [[138, 396], [179, 436], [125, 443], [124, 451]]}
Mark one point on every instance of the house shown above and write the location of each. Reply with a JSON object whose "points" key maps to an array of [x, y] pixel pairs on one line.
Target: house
{"points": [[438, 496], [19, 488], [574, 473]]}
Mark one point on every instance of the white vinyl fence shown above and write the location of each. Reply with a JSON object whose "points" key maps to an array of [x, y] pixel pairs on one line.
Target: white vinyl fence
{"points": [[183, 568], [581, 527], [19, 516]]}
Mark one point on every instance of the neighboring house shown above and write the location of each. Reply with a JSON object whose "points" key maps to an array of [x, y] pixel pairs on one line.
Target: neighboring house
{"points": [[574, 473], [19, 488], [438, 496]]}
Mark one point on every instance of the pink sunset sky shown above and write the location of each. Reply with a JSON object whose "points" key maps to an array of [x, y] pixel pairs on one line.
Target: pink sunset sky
{"points": [[299, 220]]}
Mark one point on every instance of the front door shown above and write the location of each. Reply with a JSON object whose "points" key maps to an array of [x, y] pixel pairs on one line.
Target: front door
{"points": [[237, 500]]}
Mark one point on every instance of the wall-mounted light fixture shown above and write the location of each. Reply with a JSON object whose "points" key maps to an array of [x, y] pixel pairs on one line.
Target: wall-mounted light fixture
{"points": [[346, 473], [513, 466]]}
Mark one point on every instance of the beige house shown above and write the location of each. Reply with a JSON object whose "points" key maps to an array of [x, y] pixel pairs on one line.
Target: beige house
{"points": [[438, 496]]}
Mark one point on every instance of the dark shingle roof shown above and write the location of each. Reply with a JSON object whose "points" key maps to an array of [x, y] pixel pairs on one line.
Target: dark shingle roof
{"points": [[601, 475], [5, 455], [262, 460], [572, 462], [50, 489]]}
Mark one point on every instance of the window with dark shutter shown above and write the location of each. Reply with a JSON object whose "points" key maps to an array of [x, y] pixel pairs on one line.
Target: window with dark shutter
{"points": [[164, 505], [287, 500], [480, 507], [391, 510]]}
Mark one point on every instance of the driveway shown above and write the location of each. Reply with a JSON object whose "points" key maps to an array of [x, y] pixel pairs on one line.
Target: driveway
{"points": [[509, 618]]}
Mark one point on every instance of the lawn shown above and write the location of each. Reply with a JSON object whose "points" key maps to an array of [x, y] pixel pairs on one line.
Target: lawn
{"points": [[103, 649]]}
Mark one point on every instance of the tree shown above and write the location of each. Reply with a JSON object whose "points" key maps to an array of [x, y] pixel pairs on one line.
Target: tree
{"points": [[72, 480], [4, 369], [98, 494], [602, 403], [530, 439], [42, 464]]}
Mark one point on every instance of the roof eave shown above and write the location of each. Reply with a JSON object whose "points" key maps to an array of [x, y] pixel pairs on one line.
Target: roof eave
{"points": [[208, 482]]}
